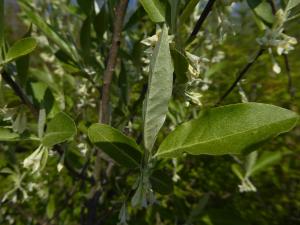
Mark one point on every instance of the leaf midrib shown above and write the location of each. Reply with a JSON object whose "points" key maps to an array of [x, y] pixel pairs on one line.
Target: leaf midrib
{"points": [[226, 136], [123, 152]]}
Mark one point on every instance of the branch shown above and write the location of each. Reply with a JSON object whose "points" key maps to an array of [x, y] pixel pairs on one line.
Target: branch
{"points": [[241, 75], [19, 92], [112, 59], [288, 73], [201, 20]]}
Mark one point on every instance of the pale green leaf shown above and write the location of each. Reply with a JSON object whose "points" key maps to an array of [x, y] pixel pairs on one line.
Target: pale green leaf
{"points": [[119, 147], [231, 129], [155, 9], [20, 48], [262, 9], [292, 4], [159, 89], [59, 129]]}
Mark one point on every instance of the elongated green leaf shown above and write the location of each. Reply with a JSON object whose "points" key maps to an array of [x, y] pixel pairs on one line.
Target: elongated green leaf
{"points": [[231, 129], [180, 65], [267, 159], [59, 129], [155, 10], [8, 135], [20, 48], [292, 4], [188, 11], [119, 147], [159, 89], [262, 9], [47, 29]]}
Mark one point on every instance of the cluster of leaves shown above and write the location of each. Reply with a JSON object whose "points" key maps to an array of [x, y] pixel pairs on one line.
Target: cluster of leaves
{"points": [[170, 154]]}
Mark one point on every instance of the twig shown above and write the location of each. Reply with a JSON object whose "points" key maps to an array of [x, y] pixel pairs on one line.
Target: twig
{"points": [[288, 73], [241, 75], [104, 112], [19, 92], [201, 20], [111, 62]]}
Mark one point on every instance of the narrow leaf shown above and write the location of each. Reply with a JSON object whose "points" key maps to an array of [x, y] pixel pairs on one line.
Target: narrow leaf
{"points": [[292, 4], [8, 135], [119, 147], [20, 48], [59, 129], [159, 89], [231, 129], [155, 10], [48, 30], [262, 9]]}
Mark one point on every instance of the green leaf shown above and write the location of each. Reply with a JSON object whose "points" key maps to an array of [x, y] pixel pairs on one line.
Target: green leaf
{"points": [[161, 182], [86, 6], [155, 10], [32, 14], [20, 48], [119, 147], [231, 129], [262, 9], [181, 65], [292, 4], [59, 129], [188, 11], [159, 89], [85, 37], [51, 207], [101, 23], [8, 135], [267, 159]]}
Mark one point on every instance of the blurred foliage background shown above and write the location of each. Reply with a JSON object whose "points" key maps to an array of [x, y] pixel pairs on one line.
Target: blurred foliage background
{"points": [[65, 74]]}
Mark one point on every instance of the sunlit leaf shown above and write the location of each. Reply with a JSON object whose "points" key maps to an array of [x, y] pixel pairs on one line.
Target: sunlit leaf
{"points": [[20, 48], [231, 129], [155, 10]]}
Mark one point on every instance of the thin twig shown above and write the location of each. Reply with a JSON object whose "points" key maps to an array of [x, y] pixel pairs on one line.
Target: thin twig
{"points": [[19, 92], [240, 76], [289, 76], [112, 60], [201, 20]]}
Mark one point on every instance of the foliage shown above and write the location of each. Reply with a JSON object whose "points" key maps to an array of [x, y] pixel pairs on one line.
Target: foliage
{"points": [[149, 112]]}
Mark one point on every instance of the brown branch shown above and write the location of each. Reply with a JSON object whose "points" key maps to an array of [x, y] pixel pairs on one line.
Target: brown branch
{"points": [[289, 76], [19, 92], [112, 60], [201, 20], [241, 75]]}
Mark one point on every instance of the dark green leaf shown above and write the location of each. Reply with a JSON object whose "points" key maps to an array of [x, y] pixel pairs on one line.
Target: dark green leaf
{"points": [[181, 65], [231, 129], [101, 23], [119, 147], [59, 129]]}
